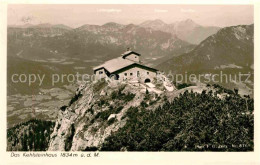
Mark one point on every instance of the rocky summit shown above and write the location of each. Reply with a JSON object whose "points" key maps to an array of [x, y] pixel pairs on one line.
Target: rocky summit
{"points": [[132, 116], [97, 110]]}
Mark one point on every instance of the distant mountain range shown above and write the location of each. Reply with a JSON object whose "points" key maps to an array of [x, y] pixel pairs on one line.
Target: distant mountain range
{"points": [[155, 40], [44, 41], [230, 45], [186, 30], [48, 49], [59, 46], [230, 50], [44, 25]]}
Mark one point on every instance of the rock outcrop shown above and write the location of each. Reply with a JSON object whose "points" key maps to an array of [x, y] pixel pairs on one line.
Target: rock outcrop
{"points": [[96, 111]]}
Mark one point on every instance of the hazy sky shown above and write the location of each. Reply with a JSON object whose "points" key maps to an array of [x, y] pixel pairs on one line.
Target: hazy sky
{"points": [[77, 15]]}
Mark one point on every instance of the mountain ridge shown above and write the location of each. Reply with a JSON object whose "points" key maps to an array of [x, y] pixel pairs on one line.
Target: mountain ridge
{"points": [[187, 30], [89, 39], [230, 51], [228, 41]]}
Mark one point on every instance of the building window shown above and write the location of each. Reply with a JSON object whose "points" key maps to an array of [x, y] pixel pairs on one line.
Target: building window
{"points": [[131, 74], [100, 72], [138, 73], [125, 74], [147, 72]]}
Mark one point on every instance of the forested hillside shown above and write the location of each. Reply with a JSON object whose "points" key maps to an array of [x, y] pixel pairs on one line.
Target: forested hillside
{"points": [[191, 122], [33, 135]]}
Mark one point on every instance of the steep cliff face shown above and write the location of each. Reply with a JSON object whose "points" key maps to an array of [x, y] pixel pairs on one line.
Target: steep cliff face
{"points": [[95, 112]]}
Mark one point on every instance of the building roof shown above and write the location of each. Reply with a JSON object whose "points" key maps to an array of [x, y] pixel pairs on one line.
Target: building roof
{"points": [[129, 52], [115, 64], [134, 65], [121, 63]]}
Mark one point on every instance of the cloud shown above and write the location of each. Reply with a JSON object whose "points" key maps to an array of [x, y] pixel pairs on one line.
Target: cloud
{"points": [[160, 11], [188, 11], [110, 10]]}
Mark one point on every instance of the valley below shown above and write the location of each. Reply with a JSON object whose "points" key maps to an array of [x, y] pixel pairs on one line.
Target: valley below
{"points": [[44, 105]]}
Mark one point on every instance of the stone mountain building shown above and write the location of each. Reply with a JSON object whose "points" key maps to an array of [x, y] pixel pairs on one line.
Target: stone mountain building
{"points": [[127, 67]]}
